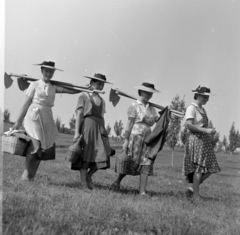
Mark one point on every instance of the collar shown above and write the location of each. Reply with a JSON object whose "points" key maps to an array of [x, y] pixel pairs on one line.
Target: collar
{"points": [[140, 102], [44, 84], [91, 94]]}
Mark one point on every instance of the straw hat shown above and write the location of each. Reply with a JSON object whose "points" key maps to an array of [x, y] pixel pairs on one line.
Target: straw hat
{"points": [[48, 64], [202, 91], [99, 77], [147, 87]]}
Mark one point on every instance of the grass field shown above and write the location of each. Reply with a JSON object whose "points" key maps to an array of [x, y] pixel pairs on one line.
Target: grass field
{"points": [[54, 203]]}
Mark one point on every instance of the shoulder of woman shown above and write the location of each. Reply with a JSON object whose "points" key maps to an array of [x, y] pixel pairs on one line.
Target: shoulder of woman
{"points": [[133, 104], [191, 107], [34, 84], [84, 95]]}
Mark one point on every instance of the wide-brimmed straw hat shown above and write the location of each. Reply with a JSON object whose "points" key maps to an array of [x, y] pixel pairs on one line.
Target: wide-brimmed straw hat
{"points": [[100, 77], [48, 64], [147, 87], [202, 91]]}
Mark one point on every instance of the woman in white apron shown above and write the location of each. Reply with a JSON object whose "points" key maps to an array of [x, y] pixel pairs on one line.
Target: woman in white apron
{"points": [[38, 119]]}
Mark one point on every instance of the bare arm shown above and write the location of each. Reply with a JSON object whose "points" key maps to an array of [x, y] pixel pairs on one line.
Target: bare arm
{"points": [[196, 128], [128, 131], [22, 113], [79, 119], [103, 120]]}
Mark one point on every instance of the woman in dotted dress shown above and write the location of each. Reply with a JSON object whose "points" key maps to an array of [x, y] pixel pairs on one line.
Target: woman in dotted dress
{"points": [[38, 119], [199, 158], [91, 125], [135, 161]]}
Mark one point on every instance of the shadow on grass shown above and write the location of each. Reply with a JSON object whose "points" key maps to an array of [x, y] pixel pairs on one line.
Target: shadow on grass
{"points": [[228, 175], [135, 192], [233, 168], [75, 184]]}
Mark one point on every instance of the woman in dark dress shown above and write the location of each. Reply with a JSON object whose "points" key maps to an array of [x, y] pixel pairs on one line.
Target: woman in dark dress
{"points": [[90, 124]]}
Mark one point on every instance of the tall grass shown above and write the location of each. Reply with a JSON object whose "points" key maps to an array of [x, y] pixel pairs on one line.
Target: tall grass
{"points": [[55, 204]]}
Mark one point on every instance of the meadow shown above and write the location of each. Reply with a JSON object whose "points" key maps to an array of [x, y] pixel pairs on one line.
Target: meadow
{"points": [[55, 204]]}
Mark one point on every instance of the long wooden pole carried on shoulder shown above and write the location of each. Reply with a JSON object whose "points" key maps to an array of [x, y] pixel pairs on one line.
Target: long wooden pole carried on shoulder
{"points": [[122, 93], [8, 82]]}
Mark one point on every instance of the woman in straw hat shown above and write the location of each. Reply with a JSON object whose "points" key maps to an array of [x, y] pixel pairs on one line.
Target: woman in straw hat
{"points": [[199, 158], [134, 160], [90, 124], [38, 119]]}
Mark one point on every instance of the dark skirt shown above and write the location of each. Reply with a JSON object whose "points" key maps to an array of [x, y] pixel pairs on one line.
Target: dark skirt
{"points": [[34, 147], [199, 156], [95, 145]]}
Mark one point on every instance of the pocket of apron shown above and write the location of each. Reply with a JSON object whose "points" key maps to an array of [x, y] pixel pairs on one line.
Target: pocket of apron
{"points": [[34, 114]]}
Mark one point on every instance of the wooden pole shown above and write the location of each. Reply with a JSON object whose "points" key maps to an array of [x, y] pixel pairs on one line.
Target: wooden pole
{"points": [[57, 83], [52, 81], [175, 112]]}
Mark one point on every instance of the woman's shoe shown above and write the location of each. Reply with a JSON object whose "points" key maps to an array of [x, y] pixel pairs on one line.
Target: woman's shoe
{"points": [[144, 194], [189, 192], [115, 187], [84, 185], [25, 176], [196, 199]]}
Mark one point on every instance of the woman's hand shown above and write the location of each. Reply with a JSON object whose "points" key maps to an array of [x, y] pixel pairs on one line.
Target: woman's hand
{"points": [[16, 126], [76, 137], [125, 146]]}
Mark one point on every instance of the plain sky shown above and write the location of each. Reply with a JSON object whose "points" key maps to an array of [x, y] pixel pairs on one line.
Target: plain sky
{"points": [[177, 45]]}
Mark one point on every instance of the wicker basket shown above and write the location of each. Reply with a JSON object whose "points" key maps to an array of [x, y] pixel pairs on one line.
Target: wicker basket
{"points": [[13, 145], [75, 151]]}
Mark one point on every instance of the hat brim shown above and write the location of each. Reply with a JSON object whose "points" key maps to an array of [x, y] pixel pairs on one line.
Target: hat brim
{"points": [[49, 67], [205, 93], [148, 89], [99, 79]]}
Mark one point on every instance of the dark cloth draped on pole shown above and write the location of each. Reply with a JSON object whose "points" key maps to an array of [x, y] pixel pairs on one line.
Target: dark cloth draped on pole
{"points": [[157, 138]]}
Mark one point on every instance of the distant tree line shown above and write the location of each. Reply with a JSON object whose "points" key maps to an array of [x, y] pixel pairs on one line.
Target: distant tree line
{"points": [[176, 137], [228, 146]]}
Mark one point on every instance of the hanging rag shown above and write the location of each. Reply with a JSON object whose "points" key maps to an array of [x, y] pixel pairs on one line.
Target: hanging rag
{"points": [[157, 138]]}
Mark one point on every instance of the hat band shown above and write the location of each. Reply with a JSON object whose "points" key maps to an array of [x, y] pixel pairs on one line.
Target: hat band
{"points": [[148, 85]]}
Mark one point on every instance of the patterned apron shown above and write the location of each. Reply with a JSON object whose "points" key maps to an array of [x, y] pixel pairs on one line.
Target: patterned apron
{"points": [[199, 153]]}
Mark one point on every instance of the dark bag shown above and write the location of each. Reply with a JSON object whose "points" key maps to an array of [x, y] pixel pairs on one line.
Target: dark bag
{"points": [[75, 150]]}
